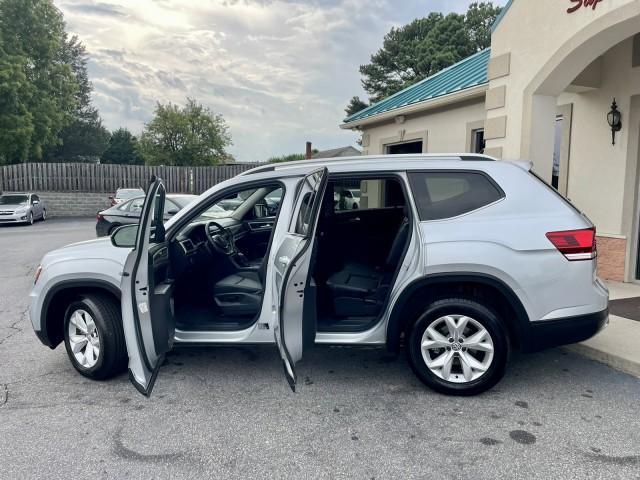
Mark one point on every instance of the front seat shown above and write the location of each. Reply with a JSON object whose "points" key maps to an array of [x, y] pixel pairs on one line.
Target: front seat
{"points": [[360, 290], [239, 294]]}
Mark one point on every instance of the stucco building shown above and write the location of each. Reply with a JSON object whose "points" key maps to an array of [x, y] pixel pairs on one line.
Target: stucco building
{"points": [[542, 93]]}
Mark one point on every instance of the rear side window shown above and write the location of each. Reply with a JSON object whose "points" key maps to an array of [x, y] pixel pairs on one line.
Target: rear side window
{"points": [[440, 194]]}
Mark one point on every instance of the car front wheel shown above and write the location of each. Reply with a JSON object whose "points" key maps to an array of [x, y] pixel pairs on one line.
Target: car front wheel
{"points": [[458, 347], [30, 218], [94, 338]]}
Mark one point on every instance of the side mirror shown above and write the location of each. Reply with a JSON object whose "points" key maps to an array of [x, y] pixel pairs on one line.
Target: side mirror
{"points": [[125, 236], [36, 202]]}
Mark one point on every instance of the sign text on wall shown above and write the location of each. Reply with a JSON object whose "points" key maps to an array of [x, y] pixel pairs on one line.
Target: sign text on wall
{"points": [[577, 4]]}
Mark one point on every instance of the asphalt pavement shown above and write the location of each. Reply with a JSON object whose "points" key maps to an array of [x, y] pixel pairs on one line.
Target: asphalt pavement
{"points": [[358, 413]]}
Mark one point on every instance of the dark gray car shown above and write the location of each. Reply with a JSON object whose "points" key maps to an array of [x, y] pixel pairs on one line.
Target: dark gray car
{"points": [[22, 208]]}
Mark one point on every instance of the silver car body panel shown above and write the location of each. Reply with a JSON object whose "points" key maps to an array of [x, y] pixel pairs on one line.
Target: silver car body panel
{"points": [[505, 240]]}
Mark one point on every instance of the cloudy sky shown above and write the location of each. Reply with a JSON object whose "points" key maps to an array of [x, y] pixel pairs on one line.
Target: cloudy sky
{"points": [[280, 71]]}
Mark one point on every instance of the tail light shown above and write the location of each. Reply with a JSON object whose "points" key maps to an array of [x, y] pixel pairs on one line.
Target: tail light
{"points": [[575, 244], [99, 217]]}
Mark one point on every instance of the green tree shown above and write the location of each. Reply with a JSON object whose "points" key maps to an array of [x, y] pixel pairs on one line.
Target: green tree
{"points": [[84, 138], [478, 21], [355, 105], [16, 123], [123, 149], [426, 46], [191, 135], [31, 51]]}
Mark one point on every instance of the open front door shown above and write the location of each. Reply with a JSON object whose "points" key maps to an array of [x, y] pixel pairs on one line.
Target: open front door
{"points": [[147, 305], [295, 325]]}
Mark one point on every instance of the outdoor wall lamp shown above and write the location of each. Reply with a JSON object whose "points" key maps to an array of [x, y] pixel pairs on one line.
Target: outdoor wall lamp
{"points": [[614, 120]]}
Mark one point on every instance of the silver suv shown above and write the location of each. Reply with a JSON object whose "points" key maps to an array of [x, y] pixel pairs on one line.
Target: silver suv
{"points": [[458, 258]]}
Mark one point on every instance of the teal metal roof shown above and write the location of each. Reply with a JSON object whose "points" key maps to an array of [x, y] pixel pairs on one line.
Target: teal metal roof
{"points": [[467, 73]]}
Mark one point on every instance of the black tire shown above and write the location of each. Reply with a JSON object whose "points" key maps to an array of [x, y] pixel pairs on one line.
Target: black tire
{"points": [[112, 359], [484, 316]]}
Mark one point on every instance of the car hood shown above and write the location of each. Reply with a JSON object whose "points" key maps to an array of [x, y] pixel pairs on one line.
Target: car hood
{"points": [[13, 206], [98, 249]]}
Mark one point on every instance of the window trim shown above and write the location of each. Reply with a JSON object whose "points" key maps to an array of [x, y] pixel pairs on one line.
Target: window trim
{"points": [[291, 229], [502, 193]]}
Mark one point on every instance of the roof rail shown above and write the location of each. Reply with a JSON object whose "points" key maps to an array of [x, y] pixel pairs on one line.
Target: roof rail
{"points": [[363, 158], [477, 158], [266, 168]]}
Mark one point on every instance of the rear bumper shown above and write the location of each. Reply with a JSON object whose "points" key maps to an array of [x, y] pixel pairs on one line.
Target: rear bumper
{"points": [[102, 228], [563, 331]]}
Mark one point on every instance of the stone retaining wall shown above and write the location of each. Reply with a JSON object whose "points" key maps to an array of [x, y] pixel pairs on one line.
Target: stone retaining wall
{"points": [[74, 204]]}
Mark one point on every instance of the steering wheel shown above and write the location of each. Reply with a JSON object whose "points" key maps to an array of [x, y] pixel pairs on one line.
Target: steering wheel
{"points": [[222, 241]]}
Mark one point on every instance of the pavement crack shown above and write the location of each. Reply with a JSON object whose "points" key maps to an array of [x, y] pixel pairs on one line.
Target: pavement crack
{"points": [[129, 454], [14, 326], [4, 394]]}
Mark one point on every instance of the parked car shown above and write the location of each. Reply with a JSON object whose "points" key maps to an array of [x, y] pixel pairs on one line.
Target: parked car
{"points": [[22, 208], [461, 260], [347, 198], [123, 194], [128, 212]]}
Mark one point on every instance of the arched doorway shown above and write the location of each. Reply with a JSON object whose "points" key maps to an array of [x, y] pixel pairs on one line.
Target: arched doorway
{"points": [[601, 178]]}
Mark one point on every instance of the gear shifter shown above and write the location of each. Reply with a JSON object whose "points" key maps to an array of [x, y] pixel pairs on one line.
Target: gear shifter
{"points": [[240, 259]]}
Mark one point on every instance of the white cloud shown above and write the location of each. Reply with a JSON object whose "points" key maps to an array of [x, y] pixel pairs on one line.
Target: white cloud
{"points": [[280, 71]]}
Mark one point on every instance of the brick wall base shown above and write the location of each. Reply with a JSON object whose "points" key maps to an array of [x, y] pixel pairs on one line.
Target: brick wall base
{"points": [[74, 204], [611, 257]]}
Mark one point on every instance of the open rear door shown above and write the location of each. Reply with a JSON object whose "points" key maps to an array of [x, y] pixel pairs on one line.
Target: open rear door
{"points": [[295, 326], [147, 305]]}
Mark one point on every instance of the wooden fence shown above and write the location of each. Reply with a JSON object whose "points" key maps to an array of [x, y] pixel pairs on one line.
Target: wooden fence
{"points": [[85, 177]]}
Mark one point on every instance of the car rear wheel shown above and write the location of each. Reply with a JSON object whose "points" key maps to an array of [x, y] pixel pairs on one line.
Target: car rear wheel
{"points": [[44, 215], [94, 338], [458, 347]]}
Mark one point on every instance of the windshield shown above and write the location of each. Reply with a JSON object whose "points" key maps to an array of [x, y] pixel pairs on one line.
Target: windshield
{"points": [[129, 193], [14, 199], [227, 206], [183, 200], [216, 212]]}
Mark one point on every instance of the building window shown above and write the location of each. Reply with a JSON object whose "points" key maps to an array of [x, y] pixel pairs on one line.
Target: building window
{"points": [[405, 147], [477, 140]]}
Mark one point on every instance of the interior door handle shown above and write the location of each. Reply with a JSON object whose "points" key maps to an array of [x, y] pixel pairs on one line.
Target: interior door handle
{"points": [[284, 260]]}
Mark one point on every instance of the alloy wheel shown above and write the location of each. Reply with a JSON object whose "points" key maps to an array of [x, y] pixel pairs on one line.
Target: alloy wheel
{"points": [[457, 348], [84, 338]]}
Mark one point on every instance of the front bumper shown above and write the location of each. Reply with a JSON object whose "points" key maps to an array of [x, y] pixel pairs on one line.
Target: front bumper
{"points": [[563, 331], [14, 217]]}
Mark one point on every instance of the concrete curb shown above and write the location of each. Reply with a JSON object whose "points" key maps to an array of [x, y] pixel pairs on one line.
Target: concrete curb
{"points": [[618, 346], [611, 359]]}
